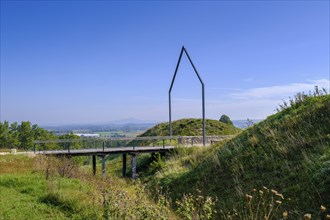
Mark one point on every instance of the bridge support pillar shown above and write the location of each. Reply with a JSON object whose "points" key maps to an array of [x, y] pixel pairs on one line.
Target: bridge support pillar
{"points": [[94, 164], [124, 165], [103, 166], [134, 175]]}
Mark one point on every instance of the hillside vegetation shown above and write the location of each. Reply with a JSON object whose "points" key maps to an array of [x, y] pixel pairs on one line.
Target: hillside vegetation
{"points": [[57, 188], [192, 127], [276, 169], [288, 152]]}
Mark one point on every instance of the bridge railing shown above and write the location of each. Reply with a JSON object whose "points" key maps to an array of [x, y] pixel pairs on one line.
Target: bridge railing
{"points": [[103, 143]]}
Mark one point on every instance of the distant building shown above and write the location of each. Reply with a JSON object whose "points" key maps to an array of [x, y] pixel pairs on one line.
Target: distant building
{"points": [[87, 135]]}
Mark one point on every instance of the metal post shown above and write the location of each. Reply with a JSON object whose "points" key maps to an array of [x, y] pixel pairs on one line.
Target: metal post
{"points": [[203, 94], [134, 176], [163, 143], [103, 145], [124, 165], [170, 115], [103, 166], [169, 92], [94, 164], [34, 148], [203, 107]]}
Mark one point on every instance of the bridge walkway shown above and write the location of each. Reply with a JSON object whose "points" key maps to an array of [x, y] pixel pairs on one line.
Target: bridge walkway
{"points": [[124, 150]]}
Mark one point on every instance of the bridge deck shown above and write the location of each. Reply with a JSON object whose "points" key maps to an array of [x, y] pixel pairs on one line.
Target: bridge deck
{"points": [[101, 151]]}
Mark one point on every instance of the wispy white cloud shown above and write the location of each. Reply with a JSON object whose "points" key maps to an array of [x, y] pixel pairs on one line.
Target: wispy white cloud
{"points": [[280, 91], [241, 104]]}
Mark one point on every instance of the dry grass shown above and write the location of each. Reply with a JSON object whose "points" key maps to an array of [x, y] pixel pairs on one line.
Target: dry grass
{"points": [[17, 164]]}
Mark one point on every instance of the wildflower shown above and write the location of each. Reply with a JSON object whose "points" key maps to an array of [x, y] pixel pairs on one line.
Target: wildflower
{"points": [[254, 190], [323, 208], [261, 192], [280, 195], [285, 214], [327, 217], [265, 188], [307, 216], [278, 202], [248, 197], [274, 191]]}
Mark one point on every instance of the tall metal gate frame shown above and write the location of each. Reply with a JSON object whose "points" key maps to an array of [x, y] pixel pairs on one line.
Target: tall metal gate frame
{"points": [[203, 93]]}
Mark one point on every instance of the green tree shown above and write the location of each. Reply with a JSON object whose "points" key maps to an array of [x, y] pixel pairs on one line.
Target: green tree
{"points": [[4, 134], [13, 137], [42, 134], [72, 145], [225, 119], [25, 135], [22, 136]]}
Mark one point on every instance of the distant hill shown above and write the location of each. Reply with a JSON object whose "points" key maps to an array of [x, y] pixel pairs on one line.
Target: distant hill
{"points": [[99, 127], [191, 127], [289, 152], [245, 123]]}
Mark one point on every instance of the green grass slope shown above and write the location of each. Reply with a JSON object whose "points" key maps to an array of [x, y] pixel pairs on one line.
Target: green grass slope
{"points": [[26, 194], [191, 127], [289, 152]]}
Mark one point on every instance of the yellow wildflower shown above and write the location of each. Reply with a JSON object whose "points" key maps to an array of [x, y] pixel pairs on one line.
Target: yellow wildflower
{"points": [[323, 208], [280, 195], [248, 197], [285, 214], [274, 191], [307, 216]]}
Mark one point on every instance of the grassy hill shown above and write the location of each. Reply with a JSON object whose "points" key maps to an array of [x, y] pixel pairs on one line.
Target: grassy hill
{"points": [[192, 127], [288, 152], [279, 168]]}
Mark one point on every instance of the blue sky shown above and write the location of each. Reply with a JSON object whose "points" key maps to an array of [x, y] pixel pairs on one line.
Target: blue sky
{"points": [[97, 61]]}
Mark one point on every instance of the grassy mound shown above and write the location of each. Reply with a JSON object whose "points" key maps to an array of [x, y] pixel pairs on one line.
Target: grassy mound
{"points": [[192, 127], [289, 152]]}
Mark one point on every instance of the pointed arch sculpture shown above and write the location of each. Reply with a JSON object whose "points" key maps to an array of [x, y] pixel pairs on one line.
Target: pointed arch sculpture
{"points": [[183, 50]]}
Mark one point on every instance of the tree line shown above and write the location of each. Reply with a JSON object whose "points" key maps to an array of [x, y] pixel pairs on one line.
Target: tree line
{"points": [[23, 135]]}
